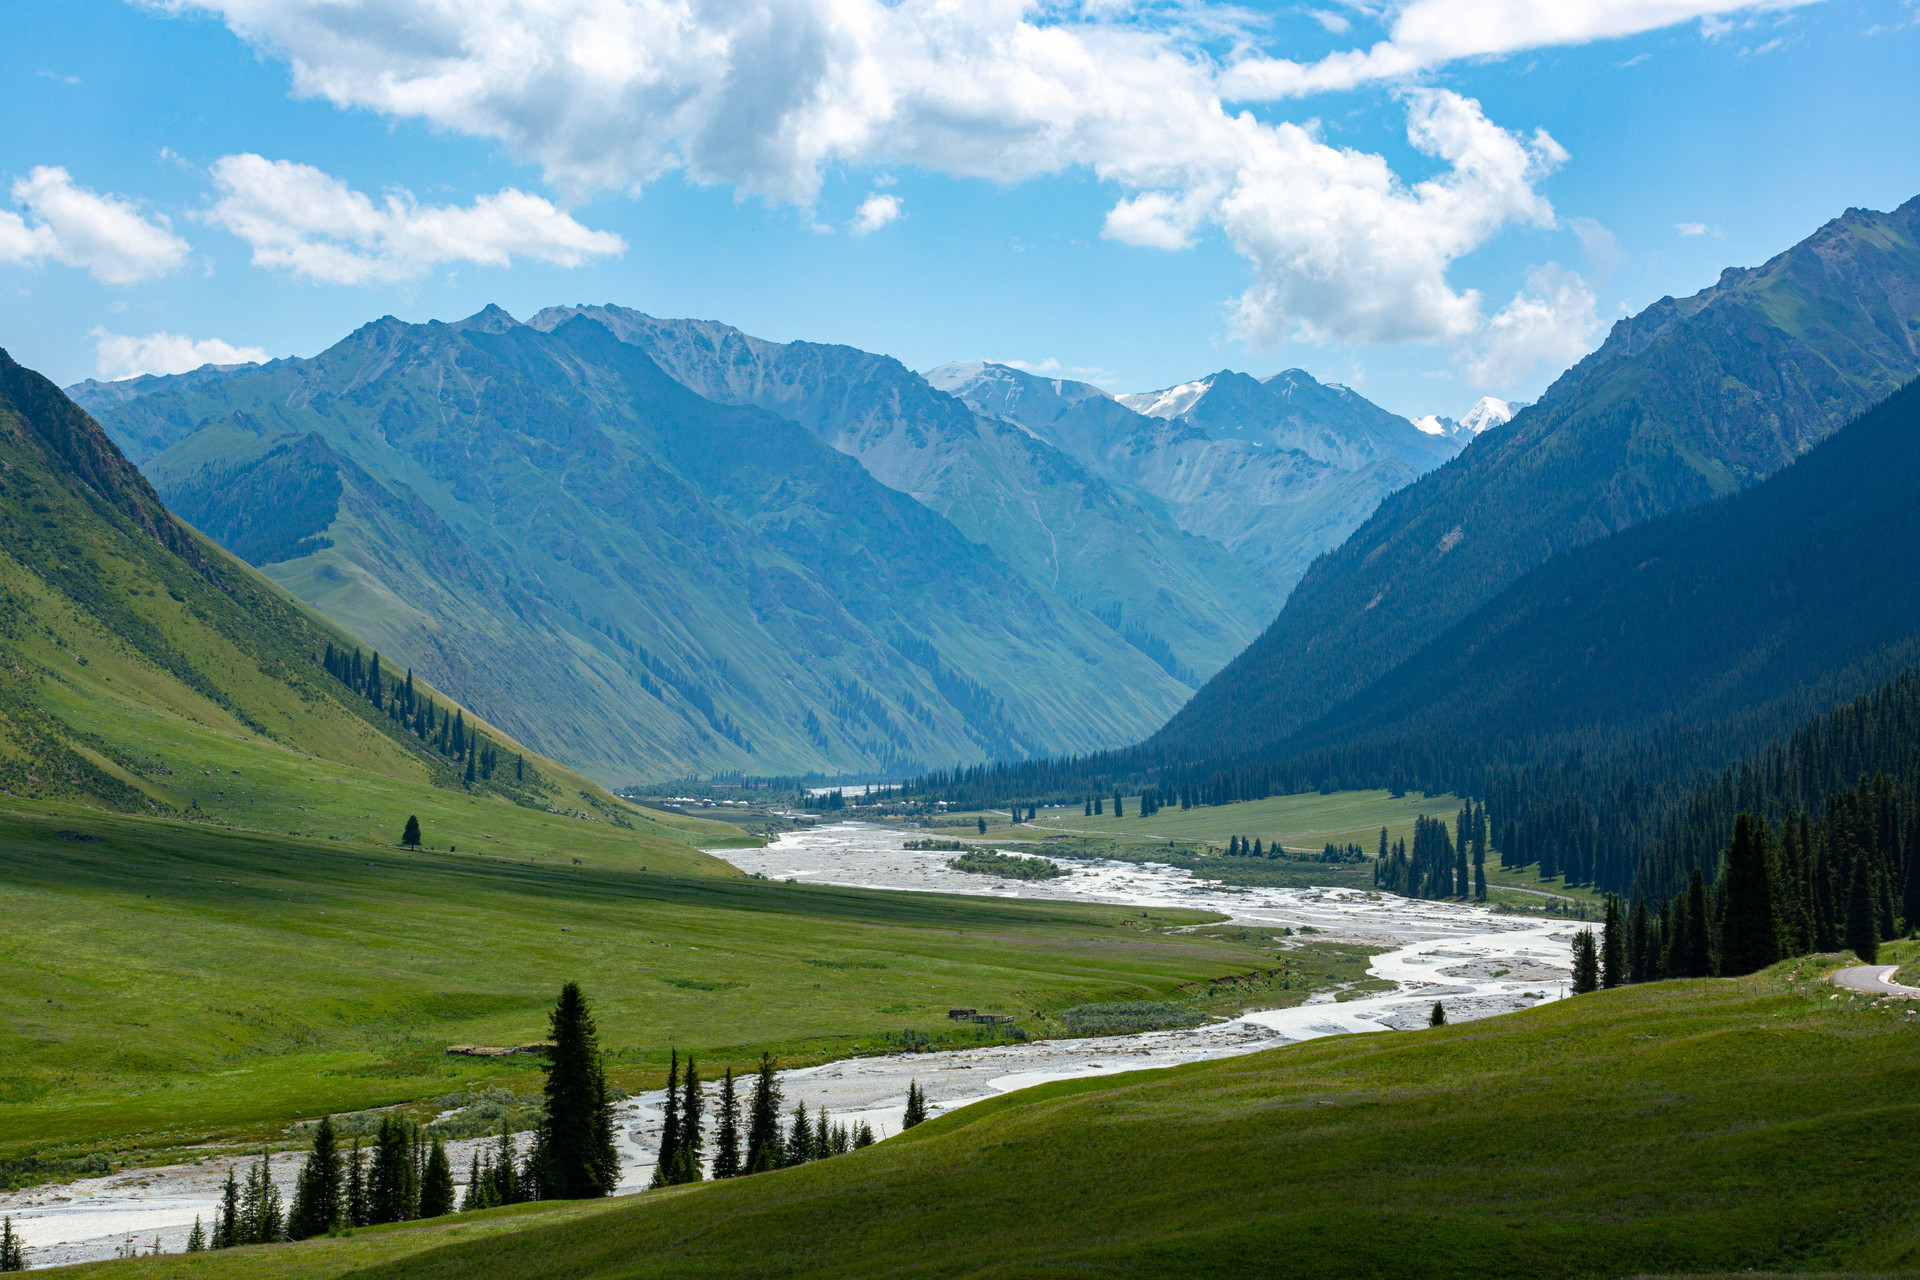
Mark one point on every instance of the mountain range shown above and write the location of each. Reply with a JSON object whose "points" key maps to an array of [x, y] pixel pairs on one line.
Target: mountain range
{"points": [[878, 576], [1690, 400]]}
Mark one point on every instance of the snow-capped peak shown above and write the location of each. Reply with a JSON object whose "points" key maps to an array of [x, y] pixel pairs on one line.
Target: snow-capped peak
{"points": [[1170, 403], [1434, 425], [1488, 411]]}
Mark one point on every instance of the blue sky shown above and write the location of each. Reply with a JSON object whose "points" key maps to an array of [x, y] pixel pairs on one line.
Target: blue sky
{"points": [[1134, 194]]}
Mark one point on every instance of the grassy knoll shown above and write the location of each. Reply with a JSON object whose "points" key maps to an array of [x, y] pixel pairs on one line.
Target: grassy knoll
{"points": [[1676, 1128], [172, 982]]}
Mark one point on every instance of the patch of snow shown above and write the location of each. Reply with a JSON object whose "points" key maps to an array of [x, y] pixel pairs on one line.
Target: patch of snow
{"points": [[1170, 403], [1488, 411]]}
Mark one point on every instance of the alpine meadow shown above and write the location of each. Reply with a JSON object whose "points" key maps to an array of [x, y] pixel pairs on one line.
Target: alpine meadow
{"points": [[868, 638]]}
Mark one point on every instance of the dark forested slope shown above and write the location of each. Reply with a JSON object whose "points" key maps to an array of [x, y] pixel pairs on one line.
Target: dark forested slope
{"points": [[1689, 400]]}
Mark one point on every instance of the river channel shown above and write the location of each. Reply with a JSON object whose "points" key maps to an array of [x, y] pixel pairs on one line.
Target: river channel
{"points": [[1477, 962]]}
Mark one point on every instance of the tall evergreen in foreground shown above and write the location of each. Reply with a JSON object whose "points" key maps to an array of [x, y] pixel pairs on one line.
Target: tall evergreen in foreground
{"points": [[916, 1106], [726, 1155], [436, 1183], [669, 1156], [1750, 927], [226, 1215], [13, 1256], [410, 838], [687, 1159], [1613, 945], [359, 1208], [799, 1138], [1586, 963], [763, 1120], [573, 1153], [1438, 1018], [318, 1193], [1862, 934]]}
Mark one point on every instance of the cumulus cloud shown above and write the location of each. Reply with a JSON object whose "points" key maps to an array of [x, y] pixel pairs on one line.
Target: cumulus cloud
{"points": [[1424, 34], [764, 96], [1552, 321], [106, 235], [312, 224], [119, 355], [875, 212]]}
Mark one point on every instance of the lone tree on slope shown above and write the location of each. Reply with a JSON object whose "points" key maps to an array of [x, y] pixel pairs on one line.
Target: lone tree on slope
{"points": [[573, 1153], [1438, 1018], [410, 838]]}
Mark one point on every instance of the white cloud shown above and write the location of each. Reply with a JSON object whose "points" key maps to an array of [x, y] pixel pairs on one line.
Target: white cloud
{"points": [[1049, 365], [1601, 246], [1335, 22], [875, 212], [312, 224], [1699, 229], [106, 235], [765, 95], [1551, 321], [119, 355], [1425, 34]]}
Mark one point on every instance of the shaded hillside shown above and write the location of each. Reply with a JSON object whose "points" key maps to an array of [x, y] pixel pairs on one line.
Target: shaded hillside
{"points": [[147, 670], [1277, 471], [1691, 399], [1181, 599], [630, 577], [1800, 581]]}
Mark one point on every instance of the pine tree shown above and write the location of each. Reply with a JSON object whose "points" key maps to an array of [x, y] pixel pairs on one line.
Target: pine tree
{"points": [[263, 1221], [1438, 1018], [410, 838], [799, 1138], [471, 743], [1613, 945], [982, 824], [726, 1156], [436, 1183], [1586, 963], [1087, 809], [506, 1171], [391, 1189], [1119, 810], [13, 1256], [317, 1191], [862, 1135], [763, 1120], [1749, 927], [1699, 953], [359, 1210], [822, 1136], [1862, 938], [686, 1163], [1638, 970], [573, 1152], [916, 1106], [669, 1157], [197, 1238], [226, 1218], [476, 1187]]}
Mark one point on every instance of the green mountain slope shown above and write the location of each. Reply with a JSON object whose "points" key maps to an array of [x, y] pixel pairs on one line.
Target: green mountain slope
{"points": [[1802, 582], [629, 577], [1676, 1128], [1112, 549], [1689, 400], [149, 671], [1277, 471]]}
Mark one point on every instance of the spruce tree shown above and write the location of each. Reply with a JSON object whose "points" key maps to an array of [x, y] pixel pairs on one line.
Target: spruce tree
{"points": [[1586, 963], [1613, 945], [197, 1238], [822, 1136], [410, 838], [317, 1191], [475, 1183], [574, 1156], [1637, 942], [13, 1256], [359, 1210], [1749, 927], [226, 1218], [668, 1158], [1119, 810], [686, 1162], [726, 1156], [506, 1171], [390, 1183], [1699, 954], [1862, 938], [799, 1138], [763, 1120], [436, 1184], [916, 1106], [1438, 1018]]}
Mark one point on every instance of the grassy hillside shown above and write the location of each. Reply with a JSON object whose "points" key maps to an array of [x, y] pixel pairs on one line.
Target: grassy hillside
{"points": [[1689, 400], [631, 578], [149, 671], [170, 982], [1675, 1128]]}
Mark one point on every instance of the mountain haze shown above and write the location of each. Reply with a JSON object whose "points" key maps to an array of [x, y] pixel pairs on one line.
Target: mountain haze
{"points": [[630, 577], [1689, 400], [1277, 470]]}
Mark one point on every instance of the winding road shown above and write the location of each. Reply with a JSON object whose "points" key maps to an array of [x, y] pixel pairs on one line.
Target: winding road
{"points": [[1875, 979]]}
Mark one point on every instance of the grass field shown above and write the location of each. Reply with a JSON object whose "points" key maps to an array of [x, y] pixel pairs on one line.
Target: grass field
{"points": [[1304, 823], [170, 982], [1677, 1128]]}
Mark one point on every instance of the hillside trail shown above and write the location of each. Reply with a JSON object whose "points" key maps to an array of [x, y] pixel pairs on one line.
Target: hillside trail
{"points": [[1874, 979]]}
